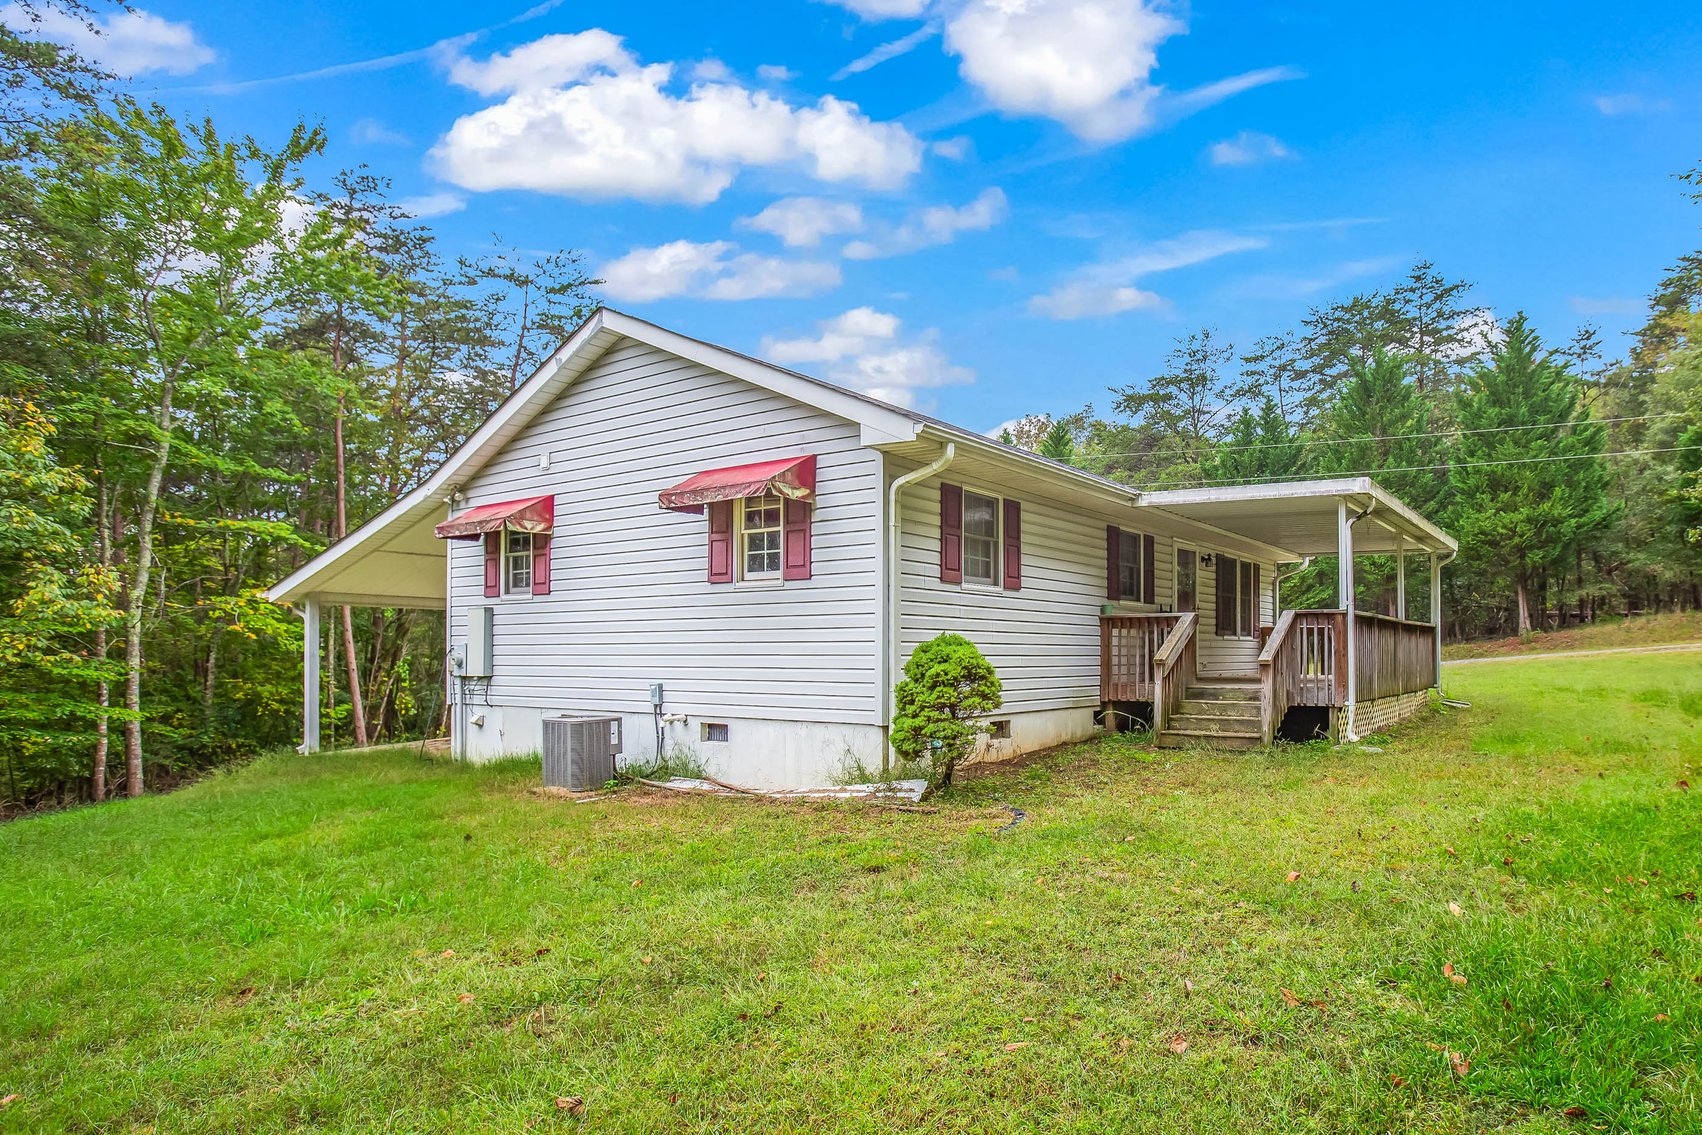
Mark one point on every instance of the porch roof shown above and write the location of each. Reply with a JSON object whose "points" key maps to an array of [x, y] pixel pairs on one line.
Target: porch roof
{"points": [[1301, 515]]}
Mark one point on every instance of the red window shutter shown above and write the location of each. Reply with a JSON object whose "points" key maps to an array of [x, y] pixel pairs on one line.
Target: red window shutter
{"points": [[1149, 569], [795, 541], [720, 541], [1013, 546], [951, 533], [493, 564], [1113, 562], [540, 565]]}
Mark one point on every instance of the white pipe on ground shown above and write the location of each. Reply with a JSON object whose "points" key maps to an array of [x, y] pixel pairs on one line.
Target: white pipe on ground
{"points": [[895, 585]]}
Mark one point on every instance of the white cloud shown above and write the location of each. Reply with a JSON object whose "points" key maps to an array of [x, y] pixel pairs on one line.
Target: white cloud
{"points": [[372, 132], [953, 149], [939, 224], [1289, 285], [136, 42], [583, 117], [1614, 105], [1085, 63], [714, 270], [885, 9], [439, 204], [1248, 148], [1108, 288], [903, 45], [775, 73], [801, 222], [711, 71], [865, 350]]}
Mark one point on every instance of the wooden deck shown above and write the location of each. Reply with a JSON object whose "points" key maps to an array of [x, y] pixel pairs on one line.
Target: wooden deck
{"points": [[1151, 658]]}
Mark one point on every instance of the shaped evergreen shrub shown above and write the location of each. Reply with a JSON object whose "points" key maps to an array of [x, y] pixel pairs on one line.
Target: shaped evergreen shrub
{"points": [[947, 686]]}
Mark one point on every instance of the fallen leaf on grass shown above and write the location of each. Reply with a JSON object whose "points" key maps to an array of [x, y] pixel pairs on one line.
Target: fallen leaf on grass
{"points": [[1397, 1081], [645, 960], [638, 882], [1187, 988], [1507, 860], [1506, 1005], [573, 1105], [1016, 1044], [1459, 1064], [1178, 1044], [1448, 972], [1660, 1016], [1576, 1112], [771, 1010], [1454, 909], [1450, 851], [1294, 876], [8, 1101], [1290, 998], [1684, 786], [465, 999], [449, 953]]}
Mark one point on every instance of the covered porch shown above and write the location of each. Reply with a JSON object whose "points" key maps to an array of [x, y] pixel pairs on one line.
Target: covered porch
{"points": [[1365, 670]]}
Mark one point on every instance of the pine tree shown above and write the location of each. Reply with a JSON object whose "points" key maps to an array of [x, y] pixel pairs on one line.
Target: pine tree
{"points": [[1526, 498], [1058, 444]]}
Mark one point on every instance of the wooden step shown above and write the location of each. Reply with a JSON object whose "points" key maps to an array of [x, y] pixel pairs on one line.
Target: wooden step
{"points": [[1208, 723], [1182, 738], [1238, 694], [1222, 707]]}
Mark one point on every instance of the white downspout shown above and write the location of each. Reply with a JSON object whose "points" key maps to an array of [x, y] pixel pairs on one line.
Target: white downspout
{"points": [[895, 588], [1436, 564]]}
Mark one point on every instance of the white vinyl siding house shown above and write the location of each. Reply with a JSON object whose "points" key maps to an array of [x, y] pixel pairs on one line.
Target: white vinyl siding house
{"points": [[629, 604], [649, 510]]}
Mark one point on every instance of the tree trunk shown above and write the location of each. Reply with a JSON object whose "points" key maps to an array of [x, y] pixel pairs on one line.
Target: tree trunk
{"points": [[137, 595], [1524, 596], [103, 691]]}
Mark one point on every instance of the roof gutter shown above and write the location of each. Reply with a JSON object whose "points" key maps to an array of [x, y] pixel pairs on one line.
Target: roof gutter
{"points": [[895, 586]]}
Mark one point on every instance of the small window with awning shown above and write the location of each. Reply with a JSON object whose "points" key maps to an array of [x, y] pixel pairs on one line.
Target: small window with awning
{"points": [[516, 536], [765, 506]]}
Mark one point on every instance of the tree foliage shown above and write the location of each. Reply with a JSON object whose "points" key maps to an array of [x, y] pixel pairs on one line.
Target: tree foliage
{"points": [[948, 687]]}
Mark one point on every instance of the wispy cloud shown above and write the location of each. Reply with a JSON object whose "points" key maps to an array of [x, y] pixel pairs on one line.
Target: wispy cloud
{"points": [[1616, 105], [935, 225], [1289, 285], [889, 50], [1248, 148], [1109, 287], [439, 51]]}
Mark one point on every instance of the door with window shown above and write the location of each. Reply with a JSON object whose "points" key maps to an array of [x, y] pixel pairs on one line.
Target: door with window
{"points": [[1187, 578]]}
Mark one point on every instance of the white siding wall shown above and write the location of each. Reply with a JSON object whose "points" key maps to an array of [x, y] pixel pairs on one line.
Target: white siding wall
{"points": [[630, 604], [1044, 639]]}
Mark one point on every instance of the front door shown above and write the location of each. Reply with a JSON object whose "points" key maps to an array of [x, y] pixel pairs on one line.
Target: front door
{"points": [[1187, 574]]}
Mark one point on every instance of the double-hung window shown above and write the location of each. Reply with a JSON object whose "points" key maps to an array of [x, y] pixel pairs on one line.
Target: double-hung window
{"points": [[1129, 558], [517, 562], [760, 537], [980, 539]]}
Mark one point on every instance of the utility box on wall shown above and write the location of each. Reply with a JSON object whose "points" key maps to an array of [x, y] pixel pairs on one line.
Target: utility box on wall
{"points": [[579, 752], [480, 621]]}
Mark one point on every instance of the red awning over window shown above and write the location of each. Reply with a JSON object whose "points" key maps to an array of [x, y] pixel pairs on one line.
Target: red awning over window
{"points": [[533, 514], [791, 477]]}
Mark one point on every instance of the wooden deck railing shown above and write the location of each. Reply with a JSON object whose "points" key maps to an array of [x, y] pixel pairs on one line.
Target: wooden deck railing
{"points": [[1127, 644], [1391, 656], [1175, 667], [1304, 662]]}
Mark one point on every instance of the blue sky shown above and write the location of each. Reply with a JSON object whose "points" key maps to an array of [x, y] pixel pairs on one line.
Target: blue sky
{"points": [[1024, 201]]}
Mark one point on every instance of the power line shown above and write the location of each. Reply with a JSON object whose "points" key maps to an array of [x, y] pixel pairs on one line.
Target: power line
{"points": [[1217, 447], [1437, 468]]}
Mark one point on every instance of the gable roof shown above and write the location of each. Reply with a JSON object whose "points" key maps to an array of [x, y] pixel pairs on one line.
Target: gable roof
{"points": [[395, 559]]}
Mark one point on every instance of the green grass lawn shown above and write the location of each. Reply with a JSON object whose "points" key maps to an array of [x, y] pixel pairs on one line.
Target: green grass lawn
{"points": [[379, 943], [1641, 630]]}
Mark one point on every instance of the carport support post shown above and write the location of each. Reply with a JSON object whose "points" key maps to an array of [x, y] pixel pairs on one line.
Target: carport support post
{"points": [[1344, 589], [1400, 576], [310, 676], [1436, 612]]}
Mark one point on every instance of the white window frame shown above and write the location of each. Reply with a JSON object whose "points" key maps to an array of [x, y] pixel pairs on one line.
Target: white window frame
{"points": [[512, 559], [775, 533], [996, 554]]}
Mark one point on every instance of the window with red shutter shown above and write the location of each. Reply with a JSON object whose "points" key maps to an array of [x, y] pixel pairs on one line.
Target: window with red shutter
{"points": [[951, 533], [797, 540], [540, 565], [721, 542], [493, 564], [1013, 546]]}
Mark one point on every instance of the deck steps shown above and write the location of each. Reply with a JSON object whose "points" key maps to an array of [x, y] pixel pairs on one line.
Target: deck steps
{"points": [[1217, 712]]}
